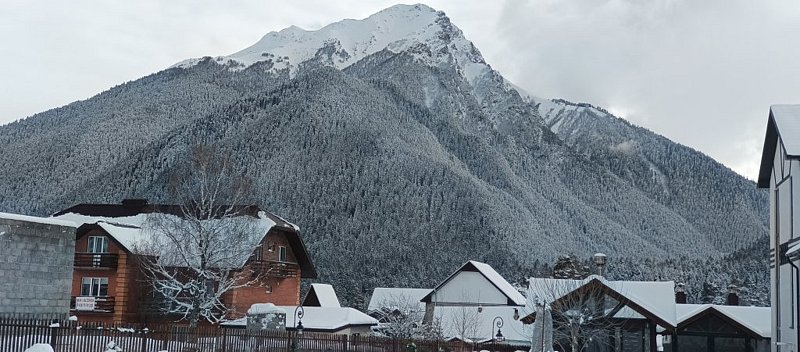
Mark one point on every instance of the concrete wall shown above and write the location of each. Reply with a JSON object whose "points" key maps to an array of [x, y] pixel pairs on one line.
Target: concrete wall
{"points": [[36, 257]]}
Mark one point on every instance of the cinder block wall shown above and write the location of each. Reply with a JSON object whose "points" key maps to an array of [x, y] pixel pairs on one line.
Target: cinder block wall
{"points": [[35, 267]]}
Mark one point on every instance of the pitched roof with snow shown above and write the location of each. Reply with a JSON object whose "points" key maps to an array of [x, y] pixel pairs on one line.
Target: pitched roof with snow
{"points": [[757, 320], [38, 220], [490, 274], [322, 319], [652, 299], [398, 298], [127, 224], [784, 126], [321, 295]]}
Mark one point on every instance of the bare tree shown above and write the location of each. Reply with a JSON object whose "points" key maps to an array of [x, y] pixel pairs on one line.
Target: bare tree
{"points": [[464, 321], [194, 252], [399, 316], [583, 314]]}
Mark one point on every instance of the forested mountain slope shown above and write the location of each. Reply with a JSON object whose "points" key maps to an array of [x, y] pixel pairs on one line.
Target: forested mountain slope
{"points": [[399, 158]]}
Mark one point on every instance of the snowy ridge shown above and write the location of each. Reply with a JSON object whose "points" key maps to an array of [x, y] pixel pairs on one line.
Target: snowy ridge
{"points": [[425, 33]]}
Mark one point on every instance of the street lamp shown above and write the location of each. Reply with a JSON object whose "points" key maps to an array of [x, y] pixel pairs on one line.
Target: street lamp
{"points": [[298, 319], [298, 326], [498, 321]]}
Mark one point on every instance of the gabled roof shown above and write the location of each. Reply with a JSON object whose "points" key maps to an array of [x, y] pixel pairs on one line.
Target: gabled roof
{"points": [[124, 223], [755, 321], [514, 297], [651, 299], [319, 319], [321, 295], [398, 298], [784, 125]]}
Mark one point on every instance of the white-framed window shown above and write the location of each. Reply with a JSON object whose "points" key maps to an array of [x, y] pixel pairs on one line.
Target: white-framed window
{"points": [[98, 244], [94, 286], [282, 253], [268, 288]]}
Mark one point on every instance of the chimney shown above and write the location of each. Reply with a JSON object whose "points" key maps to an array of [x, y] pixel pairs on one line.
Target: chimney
{"points": [[680, 293], [733, 296], [600, 260], [134, 202]]}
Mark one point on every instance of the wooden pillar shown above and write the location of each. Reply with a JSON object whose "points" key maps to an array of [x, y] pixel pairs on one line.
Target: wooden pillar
{"points": [[652, 337]]}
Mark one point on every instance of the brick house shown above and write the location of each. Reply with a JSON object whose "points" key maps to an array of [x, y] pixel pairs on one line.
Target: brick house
{"points": [[107, 285]]}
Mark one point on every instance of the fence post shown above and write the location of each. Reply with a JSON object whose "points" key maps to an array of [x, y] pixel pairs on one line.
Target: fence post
{"points": [[144, 340], [224, 339], [344, 343], [53, 335]]}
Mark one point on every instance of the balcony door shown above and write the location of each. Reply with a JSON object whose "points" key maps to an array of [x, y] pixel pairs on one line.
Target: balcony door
{"points": [[99, 245]]}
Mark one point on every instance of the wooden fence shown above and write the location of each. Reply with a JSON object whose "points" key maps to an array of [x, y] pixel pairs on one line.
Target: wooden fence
{"points": [[68, 336]]}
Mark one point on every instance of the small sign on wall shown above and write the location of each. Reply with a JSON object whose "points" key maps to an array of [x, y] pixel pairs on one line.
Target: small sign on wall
{"points": [[85, 303]]}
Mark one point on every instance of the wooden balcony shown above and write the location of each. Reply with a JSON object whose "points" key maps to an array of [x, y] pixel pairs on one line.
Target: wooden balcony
{"points": [[96, 260], [274, 268], [102, 304]]}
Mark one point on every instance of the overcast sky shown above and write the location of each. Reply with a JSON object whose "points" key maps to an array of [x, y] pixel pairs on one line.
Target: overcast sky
{"points": [[702, 73]]}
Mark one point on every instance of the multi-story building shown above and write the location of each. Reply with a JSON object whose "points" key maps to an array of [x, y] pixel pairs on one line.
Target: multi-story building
{"points": [[780, 162], [107, 283]]}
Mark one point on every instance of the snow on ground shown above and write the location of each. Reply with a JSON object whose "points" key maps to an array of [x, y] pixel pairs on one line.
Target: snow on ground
{"points": [[40, 347]]}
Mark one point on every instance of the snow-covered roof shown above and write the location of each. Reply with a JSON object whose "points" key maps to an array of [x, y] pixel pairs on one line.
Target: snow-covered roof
{"points": [[793, 251], [756, 319], [38, 220], [784, 126], [787, 120], [501, 283], [129, 231], [398, 297], [265, 308], [490, 274], [321, 295], [327, 319], [465, 320], [654, 297]]}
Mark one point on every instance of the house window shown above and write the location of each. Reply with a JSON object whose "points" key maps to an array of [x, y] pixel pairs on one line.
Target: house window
{"points": [[282, 253], [98, 244], [94, 286], [268, 288]]}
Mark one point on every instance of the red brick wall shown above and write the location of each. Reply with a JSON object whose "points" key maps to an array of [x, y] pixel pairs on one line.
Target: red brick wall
{"points": [[122, 282], [285, 291]]}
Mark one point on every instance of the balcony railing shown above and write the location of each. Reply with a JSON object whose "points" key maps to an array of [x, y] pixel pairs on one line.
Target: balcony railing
{"points": [[102, 304], [96, 260], [274, 268]]}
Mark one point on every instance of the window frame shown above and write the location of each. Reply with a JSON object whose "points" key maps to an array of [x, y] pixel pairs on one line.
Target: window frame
{"points": [[282, 254], [92, 244], [95, 286]]}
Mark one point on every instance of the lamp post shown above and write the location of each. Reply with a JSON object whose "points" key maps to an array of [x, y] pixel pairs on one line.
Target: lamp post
{"points": [[498, 321], [298, 325]]}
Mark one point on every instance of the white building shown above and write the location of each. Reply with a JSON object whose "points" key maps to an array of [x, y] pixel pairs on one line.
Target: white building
{"points": [[780, 160]]}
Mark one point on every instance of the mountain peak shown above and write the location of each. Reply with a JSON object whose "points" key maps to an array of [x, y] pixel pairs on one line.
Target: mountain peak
{"points": [[418, 29]]}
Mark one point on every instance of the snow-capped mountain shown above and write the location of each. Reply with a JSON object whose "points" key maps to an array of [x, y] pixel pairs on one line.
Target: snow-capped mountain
{"points": [[401, 154], [417, 29]]}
